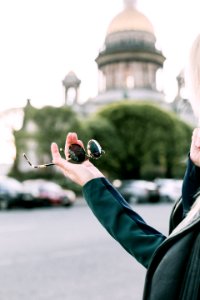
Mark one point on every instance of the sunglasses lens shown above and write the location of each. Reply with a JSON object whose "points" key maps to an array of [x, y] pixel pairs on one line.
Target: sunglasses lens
{"points": [[76, 153], [94, 149]]}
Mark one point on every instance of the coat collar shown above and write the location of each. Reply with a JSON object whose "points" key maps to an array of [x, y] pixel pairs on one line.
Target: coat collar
{"points": [[191, 218]]}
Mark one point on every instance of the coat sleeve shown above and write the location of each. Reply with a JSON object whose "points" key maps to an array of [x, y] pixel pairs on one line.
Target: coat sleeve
{"points": [[191, 184], [119, 219]]}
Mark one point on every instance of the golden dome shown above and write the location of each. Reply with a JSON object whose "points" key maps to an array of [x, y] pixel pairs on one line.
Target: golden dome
{"points": [[130, 19]]}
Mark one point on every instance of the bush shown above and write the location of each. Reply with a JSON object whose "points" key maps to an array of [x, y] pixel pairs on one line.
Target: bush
{"points": [[140, 140]]}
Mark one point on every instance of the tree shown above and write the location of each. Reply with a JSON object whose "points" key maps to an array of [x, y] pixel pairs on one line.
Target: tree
{"points": [[140, 140], [40, 128]]}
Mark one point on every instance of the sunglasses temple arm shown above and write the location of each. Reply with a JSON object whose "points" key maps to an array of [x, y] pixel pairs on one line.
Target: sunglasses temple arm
{"points": [[46, 165], [42, 166], [37, 166]]}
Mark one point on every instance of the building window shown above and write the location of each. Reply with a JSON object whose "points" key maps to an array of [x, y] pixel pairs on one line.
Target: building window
{"points": [[101, 82], [159, 80], [71, 96], [130, 83]]}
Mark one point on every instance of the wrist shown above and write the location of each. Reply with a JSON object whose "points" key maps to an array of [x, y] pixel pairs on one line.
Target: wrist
{"points": [[86, 181]]}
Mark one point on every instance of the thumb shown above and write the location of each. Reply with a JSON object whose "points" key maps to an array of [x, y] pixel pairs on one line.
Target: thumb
{"points": [[55, 153], [57, 159]]}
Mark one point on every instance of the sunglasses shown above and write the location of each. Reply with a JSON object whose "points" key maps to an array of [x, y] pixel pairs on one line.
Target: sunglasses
{"points": [[76, 154]]}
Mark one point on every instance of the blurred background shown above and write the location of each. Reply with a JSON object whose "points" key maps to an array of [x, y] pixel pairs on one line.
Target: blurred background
{"points": [[111, 71]]}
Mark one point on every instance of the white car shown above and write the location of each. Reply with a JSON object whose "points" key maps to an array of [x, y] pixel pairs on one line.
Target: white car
{"points": [[138, 191], [12, 194], [170, 189]]}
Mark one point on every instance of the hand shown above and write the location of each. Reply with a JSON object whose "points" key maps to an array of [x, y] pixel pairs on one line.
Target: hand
{"points": [[79, 173], [195, 147]]}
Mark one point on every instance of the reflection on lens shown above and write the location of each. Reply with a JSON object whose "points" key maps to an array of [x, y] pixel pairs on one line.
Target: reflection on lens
{"points": [[94, 149], [76, 153]]}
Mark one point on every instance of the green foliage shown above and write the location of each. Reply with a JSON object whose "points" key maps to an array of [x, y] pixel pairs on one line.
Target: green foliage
{"points": [[101, 129], [53, 124], [141, 140], [41, 127]]}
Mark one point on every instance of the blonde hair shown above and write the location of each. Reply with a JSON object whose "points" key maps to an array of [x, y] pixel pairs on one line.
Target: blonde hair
{"points": [[192, 76], [192, 214]]}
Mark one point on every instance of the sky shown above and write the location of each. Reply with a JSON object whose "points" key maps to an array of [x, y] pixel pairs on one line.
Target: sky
{"points": [[42, 40]]}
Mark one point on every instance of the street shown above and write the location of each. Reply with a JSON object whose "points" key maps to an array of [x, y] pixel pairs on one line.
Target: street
{"points": [[65, 254]]}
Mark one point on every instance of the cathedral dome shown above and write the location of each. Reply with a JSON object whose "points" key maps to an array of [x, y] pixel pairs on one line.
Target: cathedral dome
{"points": [[130, 19], [130, 30], [130, 44]]}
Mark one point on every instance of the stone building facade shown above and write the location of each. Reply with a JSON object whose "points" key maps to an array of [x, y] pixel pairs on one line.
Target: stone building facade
{"points": [[130, 66]]}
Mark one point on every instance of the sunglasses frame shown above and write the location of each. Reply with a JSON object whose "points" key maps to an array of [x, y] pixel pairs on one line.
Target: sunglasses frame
{"points": [[37, 166], [73, 156]]}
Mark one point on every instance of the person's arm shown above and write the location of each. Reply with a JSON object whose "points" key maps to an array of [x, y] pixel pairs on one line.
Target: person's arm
{"points": [[119, 219], [110, 208]]}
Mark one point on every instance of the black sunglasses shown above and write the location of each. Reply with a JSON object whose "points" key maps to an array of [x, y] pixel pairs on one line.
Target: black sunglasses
{"points": [[76, 154]]}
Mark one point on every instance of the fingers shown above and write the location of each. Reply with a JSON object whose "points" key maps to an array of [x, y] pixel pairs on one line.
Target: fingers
{"points": [[79, 173], [196, 137], [57, 159], [80, 143], [72, 138], [55, 152]]}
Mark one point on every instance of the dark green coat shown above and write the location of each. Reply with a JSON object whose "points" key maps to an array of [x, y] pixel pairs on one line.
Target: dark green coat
{"points": [[173, 266]]}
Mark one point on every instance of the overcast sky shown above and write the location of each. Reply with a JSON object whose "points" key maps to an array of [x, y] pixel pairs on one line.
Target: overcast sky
{"points": [[42, 40]]}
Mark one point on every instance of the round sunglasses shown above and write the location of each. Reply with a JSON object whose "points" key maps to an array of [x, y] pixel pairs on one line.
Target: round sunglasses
{"points": [[77, 154]]}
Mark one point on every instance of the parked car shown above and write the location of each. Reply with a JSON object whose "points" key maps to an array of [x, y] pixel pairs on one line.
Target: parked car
{"points": [[138, 191], [49, 193], [169, 189], [12, 194]]}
